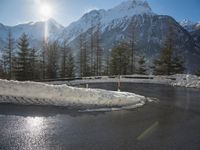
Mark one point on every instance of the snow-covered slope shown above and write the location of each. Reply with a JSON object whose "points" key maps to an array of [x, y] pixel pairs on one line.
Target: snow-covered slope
{"points": [[193, 29], [30, 93], [189, 25], [112, 18], [35, 30], [118, 24]]}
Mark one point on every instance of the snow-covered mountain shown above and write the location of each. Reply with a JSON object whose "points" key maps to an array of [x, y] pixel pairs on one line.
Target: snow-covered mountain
{"points": [[193, 28], [196, 36], [35, 31], [189, 25], [150, 31], [117, 16]]}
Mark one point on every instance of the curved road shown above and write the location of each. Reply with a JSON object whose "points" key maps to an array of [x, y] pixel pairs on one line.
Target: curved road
{"points": [[173, 123]]}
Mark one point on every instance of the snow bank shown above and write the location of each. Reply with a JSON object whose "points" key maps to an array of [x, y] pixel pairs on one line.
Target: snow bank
{"points": [[126, 79], [28, 93], [184, 80]]}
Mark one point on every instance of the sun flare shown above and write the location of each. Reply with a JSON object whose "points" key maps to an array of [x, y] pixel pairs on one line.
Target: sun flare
{"points": [[46, 11]]}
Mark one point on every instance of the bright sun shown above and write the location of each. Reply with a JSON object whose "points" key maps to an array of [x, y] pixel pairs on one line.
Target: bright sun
{"points": [[45, 11]]}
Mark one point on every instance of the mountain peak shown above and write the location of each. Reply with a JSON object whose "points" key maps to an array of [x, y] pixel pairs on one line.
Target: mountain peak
{"points": [[52, 21], [189, 25], [134, 5], [186, 22]]}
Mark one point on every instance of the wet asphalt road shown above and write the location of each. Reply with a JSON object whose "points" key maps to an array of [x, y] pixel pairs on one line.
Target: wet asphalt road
{"points": [[173, 123]]}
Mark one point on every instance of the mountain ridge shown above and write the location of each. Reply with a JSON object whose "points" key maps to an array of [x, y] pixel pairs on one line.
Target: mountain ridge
{"points": [[115, 24]]}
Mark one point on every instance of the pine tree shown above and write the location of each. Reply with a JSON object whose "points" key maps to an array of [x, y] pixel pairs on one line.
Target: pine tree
{"points": [[98, 50], [120, 57], [2, 73], [168, 64], [84, 66], [8, 56], [70, 65], [107, 63], [92, 50], [141, 68], [52, 60], [63, 65], [132, 48], [23, 60], [43, 58], [67, 62], [178, 65], [81, 56], [34, 65], [164, 63]]}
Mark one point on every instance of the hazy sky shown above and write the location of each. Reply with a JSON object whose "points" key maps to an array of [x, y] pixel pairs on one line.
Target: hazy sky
{"points": [[13, 12]]}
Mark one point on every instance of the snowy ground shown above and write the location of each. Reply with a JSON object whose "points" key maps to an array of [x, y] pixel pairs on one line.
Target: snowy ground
{"points": [[156, 80], [183, 80], [190, 81], [31, 93]]}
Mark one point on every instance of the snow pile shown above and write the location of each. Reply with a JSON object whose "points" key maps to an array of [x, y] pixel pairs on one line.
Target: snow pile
{"points": [[184, 80], [28, 93]]}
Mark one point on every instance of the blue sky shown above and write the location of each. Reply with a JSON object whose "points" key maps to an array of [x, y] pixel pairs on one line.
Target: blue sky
{"points": [[13, 12]]}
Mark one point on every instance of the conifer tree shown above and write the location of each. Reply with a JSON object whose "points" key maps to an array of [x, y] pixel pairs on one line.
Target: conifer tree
{"points": [[67, 62], [70, 65], [2, 73], [52, 60], [168, 64], [141, 68], [98, 51], [84, 66], [23, 60], [178, 65], [34, 65], [132, 49], [120, 57], [8, 56]]}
